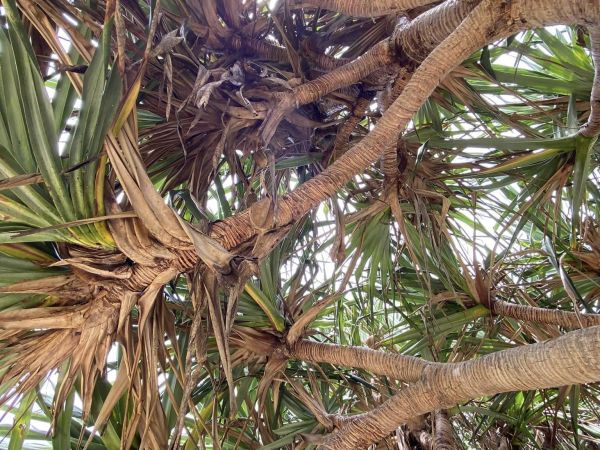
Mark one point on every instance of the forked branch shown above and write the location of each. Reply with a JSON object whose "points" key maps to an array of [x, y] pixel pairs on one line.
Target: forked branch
{"points": [[569, 359], [406, 41], [495, 20]]}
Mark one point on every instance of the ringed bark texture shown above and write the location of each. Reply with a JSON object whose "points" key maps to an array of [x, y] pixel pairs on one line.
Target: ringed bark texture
{"points": [[567, 319], [427, 31], [570, 359], [444, 434], [368, 8], [494, 21], [399, 367]]}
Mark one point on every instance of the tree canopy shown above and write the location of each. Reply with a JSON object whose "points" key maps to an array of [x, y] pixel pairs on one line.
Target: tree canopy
{"points": [[335, 224]]}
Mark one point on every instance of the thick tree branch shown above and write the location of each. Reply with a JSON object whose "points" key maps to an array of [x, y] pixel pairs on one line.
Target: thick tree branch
{"points": [[512, 17], [367, 8], [408, 368], [419, 36], [393, 365], [345, 131], [567, 319], [428, 30], [570, 359]]}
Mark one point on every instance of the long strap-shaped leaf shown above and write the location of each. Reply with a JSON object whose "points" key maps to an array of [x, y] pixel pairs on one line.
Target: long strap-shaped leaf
{"points": [[38, 114]]}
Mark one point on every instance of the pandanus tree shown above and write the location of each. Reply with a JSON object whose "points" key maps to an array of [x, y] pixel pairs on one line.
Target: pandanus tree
{"points": [[331, 224]]}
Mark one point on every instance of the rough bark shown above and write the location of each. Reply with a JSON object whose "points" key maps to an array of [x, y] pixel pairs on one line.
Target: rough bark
{"points": [[368, 8], [426, 32], [567, 319], [343, 135], [420, 36], [443, 438], [503, 19], [399, 367], [569, 359]]}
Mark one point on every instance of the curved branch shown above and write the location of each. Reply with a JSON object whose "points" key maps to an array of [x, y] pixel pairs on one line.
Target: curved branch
{"points": [[428, 30], [569, 359], [567, 319], [342, 137], [393, 365], [368, 8], [514, 16], [414, 39], [377, 56]]}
